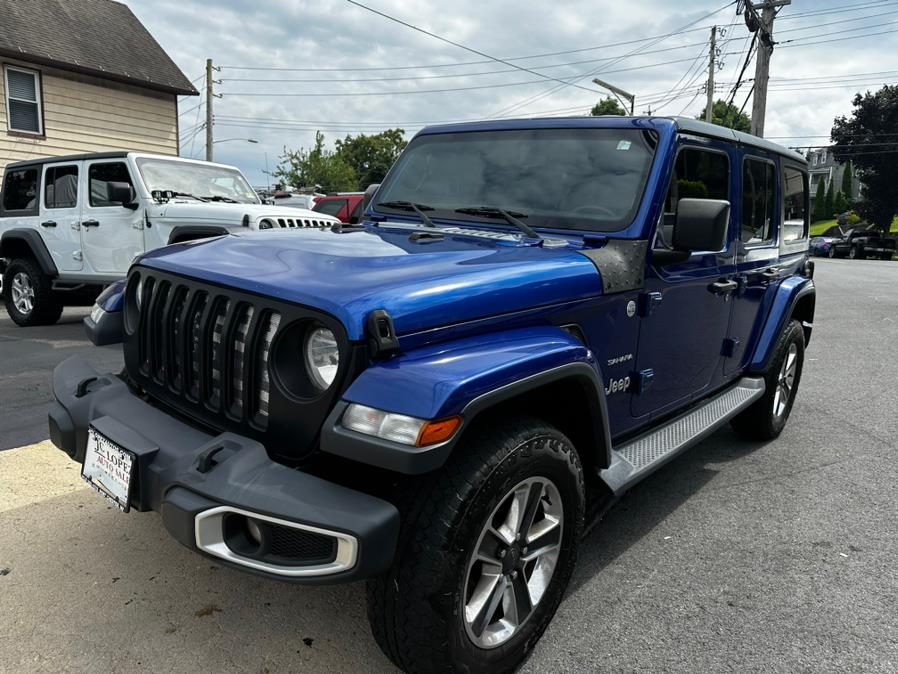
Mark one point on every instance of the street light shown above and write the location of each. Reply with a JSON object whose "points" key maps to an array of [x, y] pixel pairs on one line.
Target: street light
{"points": [[618, 93], [225, 140]]}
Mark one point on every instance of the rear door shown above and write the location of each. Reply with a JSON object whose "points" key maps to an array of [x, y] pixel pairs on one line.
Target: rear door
{"points": [[684, 315], [60, 214], [758, 222], [111, 235]]}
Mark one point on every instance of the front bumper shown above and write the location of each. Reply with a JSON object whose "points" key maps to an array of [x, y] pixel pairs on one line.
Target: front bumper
{"points": [[202, 484]]}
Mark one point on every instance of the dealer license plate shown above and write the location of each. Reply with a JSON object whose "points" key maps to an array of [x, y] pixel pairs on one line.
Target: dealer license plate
{"points": [[108, 468]]}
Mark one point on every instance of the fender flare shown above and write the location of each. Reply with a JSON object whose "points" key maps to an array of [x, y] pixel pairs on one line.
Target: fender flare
{"points": [[182, 233], [467, 377], [32, 239], [789, 293]]}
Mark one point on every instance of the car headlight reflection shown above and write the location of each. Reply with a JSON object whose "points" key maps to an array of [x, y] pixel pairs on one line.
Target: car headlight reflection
{"points": [[322, 356]]}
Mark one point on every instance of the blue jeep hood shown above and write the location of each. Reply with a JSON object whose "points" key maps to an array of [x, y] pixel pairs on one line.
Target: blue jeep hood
{"points": [[421, 285]]}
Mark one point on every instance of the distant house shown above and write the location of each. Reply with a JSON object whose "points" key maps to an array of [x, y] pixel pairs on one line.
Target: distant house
{"points": [[83, 76], [823, 166]]}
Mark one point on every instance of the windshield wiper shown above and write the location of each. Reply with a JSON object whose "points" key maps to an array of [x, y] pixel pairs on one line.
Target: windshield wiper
{"points": [[409, 206], [510, 217], [227, 200]]}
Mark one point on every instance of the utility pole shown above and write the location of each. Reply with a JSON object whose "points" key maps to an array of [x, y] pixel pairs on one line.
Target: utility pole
{"points": [[712, 66], [210, 96], [764, 24]]}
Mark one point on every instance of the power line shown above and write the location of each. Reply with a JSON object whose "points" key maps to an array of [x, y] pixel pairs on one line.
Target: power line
{"points": [[461, 46], [874, 5]]}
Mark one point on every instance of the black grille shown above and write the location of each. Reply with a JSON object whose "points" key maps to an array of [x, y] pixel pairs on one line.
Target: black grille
{"points": [[295, 545], [209, 352]]}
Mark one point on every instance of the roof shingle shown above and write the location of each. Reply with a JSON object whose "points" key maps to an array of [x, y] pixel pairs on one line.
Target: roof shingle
{"points": [[96, 37]]}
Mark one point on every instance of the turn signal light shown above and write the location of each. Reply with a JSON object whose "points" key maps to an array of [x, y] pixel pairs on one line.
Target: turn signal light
{"points": [[434, 432]]}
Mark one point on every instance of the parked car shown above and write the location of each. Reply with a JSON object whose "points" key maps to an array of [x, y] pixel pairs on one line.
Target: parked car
{"points": [[428, 401], [70, 225], [862, 244], [821, 245], [295, 200], [346, 206]]}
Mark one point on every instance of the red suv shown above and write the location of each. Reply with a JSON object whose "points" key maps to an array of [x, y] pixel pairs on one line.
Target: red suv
{"points": [[346, 206]]}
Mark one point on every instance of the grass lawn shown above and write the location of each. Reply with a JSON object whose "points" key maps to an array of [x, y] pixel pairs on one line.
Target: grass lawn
{"points": [[818, 228]]}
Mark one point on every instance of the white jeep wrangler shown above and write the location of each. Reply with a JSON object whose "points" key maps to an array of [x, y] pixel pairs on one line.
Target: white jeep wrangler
{"points": [[71, 225]]}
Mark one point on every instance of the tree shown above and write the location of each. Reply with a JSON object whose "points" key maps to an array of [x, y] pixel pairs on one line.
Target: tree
{"points": [[317, 168], [829, 200], [848, 185], [820, 202], [607, 106], [839, 205], [865, 139], [728, 115], [371, 156]]}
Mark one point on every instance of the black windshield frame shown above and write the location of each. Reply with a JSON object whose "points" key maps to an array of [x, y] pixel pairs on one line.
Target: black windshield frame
{"points": [[572, 151]]}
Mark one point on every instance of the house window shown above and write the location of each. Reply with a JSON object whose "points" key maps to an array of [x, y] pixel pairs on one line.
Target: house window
{"points": [[23, 100]]}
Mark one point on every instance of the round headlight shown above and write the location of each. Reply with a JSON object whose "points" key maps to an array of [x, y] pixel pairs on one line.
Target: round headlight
{"points": [[266, 224], [322, 356]]}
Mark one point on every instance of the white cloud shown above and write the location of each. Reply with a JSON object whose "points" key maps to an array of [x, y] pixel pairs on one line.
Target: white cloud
{"points": [[337, 34]]}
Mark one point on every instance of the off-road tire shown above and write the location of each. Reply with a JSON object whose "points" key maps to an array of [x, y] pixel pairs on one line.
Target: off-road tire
{"points": [[759, 421], [46, 306], [416, 609]]}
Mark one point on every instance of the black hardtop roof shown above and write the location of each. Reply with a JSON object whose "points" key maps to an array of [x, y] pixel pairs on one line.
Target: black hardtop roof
{"points": [[39, 161]]}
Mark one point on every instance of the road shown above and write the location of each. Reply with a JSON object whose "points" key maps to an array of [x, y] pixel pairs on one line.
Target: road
{"points": [[737, 557]]}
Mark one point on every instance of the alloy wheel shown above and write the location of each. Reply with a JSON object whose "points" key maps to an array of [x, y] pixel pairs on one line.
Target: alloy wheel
{"points": [[513, 562], [22, 293], [786, 381]]}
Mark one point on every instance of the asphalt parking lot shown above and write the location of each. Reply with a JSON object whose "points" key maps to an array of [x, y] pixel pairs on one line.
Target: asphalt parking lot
{"points": [[737, 557]]}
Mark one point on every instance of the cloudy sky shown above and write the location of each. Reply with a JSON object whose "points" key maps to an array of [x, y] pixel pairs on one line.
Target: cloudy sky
{"points": [[291, 67]]}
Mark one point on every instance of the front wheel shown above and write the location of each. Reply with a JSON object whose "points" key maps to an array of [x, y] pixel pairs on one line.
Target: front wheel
{"points": [[853, 253], [832, 251], [766, 418], [487, 549]]}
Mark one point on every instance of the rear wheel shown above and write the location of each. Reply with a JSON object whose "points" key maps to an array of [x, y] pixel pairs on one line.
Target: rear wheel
{"points": [[832, 251], [885, 256], [29, 294], [487, 549], [766, 418], [854, 253]]}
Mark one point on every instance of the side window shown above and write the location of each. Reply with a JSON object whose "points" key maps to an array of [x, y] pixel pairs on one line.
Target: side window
{"points": [[100, 174], [331, 207], [698, 174], [20, 190], [758, 201], [61, 187], [795, 204]]}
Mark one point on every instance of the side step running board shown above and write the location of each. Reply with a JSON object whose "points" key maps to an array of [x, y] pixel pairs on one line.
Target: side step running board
{"points": [[637, 458]]}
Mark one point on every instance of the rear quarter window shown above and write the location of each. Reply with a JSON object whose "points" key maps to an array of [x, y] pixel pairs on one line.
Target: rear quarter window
{"points": [[20, 191]]}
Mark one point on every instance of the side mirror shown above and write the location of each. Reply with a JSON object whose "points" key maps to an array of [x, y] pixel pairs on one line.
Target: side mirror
{"points": [[369, 195], [702, 224], [120, 193]]}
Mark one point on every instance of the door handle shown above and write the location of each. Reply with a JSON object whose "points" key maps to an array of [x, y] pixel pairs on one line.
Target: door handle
{"points": [[90, 223], [48, 223], [723, 287]]}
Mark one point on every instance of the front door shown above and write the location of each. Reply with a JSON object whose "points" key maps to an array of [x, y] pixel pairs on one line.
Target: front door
{"points": [[60, 214], [685, 307], [111, 235]]}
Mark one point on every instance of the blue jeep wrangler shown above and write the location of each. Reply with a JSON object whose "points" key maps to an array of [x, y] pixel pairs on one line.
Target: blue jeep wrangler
{"points": [[532, 317]]}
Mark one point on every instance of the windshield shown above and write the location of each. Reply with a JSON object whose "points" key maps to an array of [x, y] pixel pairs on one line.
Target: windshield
{"points": [[214, 183], [559, 178]]}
